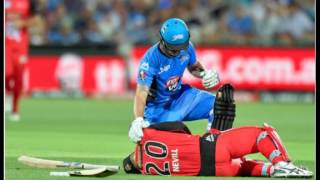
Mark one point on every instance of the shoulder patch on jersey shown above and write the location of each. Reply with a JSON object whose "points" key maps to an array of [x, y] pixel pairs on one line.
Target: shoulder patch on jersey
{"points": [[142, 75], [144, 66]]}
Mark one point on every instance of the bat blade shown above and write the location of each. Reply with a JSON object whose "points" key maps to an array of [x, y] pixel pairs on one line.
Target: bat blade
{"points": [[46, 163], [40, 163]]}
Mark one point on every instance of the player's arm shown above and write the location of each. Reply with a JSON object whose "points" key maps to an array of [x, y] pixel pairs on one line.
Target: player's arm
{"points": [[210, 78], [196, 69], [140, 99], [33, 19]]}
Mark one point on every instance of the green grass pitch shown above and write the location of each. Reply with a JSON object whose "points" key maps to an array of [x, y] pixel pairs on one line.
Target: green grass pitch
{"points": [[95, 131]]}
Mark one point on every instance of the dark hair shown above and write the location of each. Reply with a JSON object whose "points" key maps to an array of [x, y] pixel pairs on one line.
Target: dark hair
{"points": [[129, 167]]}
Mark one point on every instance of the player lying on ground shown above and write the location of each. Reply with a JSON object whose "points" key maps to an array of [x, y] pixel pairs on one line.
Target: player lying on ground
{"points": [[170, 149]]}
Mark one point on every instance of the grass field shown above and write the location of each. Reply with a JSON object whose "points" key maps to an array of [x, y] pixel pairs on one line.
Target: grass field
{"points": [[95, 131]]}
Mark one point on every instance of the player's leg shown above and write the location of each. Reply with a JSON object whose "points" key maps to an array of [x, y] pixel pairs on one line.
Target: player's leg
{"points": [[194, 104], [158, 113], [283, 168], [255, 168], [232, 167], [243, 167], [191, 104], [17, 89], [246, 167], [8, 79], [238, 142], [197, 104], [231, 146], [8, 93]]}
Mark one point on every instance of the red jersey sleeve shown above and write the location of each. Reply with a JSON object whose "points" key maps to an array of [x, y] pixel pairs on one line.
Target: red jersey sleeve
{"points": [[18, 6], [168, 153], [17, 38]]}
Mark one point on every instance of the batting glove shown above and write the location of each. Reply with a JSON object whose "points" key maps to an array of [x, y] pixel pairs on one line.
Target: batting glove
{"points": [[135, 131], [210, 78]]}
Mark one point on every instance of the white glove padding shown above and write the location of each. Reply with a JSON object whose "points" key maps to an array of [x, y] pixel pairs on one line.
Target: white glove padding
{"points": [[135, 131], [210, 78]]}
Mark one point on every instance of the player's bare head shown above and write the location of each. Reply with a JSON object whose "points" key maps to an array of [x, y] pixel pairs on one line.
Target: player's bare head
{"points": [[174, 36], [129, 165]]}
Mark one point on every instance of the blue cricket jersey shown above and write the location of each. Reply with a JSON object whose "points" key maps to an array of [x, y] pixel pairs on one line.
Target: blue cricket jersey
{"points": [[162, 74]]}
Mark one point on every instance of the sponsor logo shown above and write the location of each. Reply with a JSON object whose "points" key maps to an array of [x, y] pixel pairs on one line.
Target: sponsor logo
{"points": [[210, 138], [172, 83], [69, 72], [144, 66], [184, 58], [164, 68], [142, 75], [177, 37]]}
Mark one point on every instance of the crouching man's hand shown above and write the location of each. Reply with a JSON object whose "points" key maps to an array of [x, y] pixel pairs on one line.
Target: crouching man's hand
{"points": [[135, 130]]}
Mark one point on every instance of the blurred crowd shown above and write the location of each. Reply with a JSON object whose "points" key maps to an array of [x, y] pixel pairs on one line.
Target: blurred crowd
{"points": [[231, 22]]}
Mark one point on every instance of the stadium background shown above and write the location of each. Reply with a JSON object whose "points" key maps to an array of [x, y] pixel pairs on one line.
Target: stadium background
{"points": [[79, 79]]}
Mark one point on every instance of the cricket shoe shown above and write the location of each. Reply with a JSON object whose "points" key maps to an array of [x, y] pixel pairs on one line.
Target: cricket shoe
{"points": [[8, 103], [288, 170], [15, 117]]}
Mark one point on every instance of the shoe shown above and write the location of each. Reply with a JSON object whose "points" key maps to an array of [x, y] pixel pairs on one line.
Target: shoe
{"points": [[15, 117], [288, 170], [8, 103]]}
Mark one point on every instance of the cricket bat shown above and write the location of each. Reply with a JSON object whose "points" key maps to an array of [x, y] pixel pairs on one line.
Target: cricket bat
{"points": [[99, 172], [46, 163]]}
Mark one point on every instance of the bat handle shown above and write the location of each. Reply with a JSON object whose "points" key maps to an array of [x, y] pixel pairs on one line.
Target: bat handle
{"points": [[59, 174]]}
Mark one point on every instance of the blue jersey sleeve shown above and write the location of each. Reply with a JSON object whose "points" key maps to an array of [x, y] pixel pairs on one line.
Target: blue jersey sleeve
{"points": [[192, 54], [147, 70]]}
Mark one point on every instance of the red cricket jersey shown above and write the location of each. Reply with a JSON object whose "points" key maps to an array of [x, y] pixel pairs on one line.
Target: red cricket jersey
{"points": [[17, 38], [167, 153]]}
